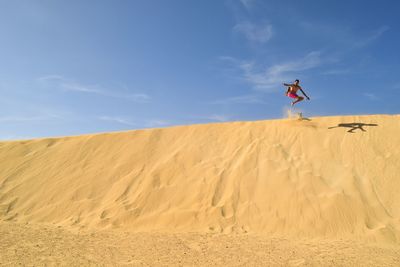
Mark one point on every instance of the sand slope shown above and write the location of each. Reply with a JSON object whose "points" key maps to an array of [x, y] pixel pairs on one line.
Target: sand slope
{"points": [[283, 177], [47, 245]]}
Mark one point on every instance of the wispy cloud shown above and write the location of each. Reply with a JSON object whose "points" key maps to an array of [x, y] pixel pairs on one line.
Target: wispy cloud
{"points": [[261, 33], [371, 96], [268, 78], [212, 118], [311, 60], [216, 117], [117, 120], [142, 98], [345, 37], [396, 86], [81, 88], [14, 137], [248, 3], [337, 72], [374, 35], [50, 78], [137, 123], [69, 85], [157, 123], [244, 99], [16, 119]]}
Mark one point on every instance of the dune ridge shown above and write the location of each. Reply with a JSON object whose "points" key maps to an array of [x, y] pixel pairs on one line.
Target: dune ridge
{"points": [[324, 177]]}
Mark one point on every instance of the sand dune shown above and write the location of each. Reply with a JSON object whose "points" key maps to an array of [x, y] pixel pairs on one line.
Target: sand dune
{"points": [[48, 245], [328, 177]]}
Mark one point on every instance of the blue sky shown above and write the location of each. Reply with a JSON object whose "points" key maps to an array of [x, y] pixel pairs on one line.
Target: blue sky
{"points": [[75, 67]]}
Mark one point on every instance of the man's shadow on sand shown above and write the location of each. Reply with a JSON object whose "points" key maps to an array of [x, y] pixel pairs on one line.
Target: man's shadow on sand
{"points": [[354, 126]]}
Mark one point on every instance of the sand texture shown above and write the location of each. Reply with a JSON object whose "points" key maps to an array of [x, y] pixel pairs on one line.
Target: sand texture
{"points": [[315, 186], [47, 245]]}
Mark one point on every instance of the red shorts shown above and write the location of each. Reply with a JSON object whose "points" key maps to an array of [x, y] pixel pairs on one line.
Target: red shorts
{"points": [[292, 95]]}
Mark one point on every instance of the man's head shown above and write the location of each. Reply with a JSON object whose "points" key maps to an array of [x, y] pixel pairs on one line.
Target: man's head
{"points": [[296, 82]]}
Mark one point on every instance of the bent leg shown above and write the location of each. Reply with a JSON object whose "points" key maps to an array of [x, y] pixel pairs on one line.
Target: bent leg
{"points": [[300, 98]]}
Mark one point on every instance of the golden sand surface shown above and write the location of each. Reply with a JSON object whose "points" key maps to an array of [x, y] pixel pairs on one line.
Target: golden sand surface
{"points": [[48, 245], [312, 192]]}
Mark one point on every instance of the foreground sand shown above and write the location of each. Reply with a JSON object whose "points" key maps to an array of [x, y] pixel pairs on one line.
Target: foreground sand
{"points": [[317, 188], [44, 245]]}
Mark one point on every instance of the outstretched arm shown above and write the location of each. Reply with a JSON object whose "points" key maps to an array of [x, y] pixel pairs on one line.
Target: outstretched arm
{"points": [[304, 93], [288, 84]]}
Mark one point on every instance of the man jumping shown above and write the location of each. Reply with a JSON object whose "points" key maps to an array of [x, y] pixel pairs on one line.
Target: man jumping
{"points": [[292, 92]]}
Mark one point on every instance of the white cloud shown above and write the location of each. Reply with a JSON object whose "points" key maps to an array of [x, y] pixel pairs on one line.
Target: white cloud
{"points": [[372, 37], [50, 78], [248, 3], [156, 123], [343, 35], [254, 33], [310, 61], [216, 117], [244, 99], [142, 98], [273, 76], [336, 72], [371, 96], [80, 88], [145, 124], [15, 137], [396, 86], [14, 119], [117, 119], [68, 85], [212, 118]]}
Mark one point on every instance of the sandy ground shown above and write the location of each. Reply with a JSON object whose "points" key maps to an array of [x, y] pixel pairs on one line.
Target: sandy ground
{"points": [[317, 191], [46, 245]]}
